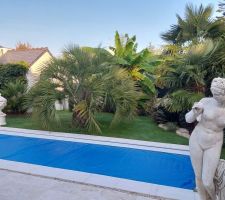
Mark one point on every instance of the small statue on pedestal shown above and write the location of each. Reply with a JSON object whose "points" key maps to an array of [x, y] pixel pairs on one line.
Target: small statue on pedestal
{"points": [[3, 103]]}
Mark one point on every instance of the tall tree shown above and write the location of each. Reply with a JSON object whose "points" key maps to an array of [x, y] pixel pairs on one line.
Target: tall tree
{"points": [[197, 24]]}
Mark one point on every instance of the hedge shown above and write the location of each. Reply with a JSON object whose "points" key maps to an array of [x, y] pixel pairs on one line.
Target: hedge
{"points": [[12, 72]]}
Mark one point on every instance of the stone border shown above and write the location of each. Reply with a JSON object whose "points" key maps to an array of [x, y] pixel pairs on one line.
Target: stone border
{"points": [[120, 184]]}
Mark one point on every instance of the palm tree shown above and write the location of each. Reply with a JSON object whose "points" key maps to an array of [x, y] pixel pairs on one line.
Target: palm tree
{"points": [[195, 26], [89, 80], [185, 78]]}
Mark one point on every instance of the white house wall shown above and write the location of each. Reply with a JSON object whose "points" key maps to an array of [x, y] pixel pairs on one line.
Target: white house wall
{"points": [[35, 69], [3, 50], [33, 75]]}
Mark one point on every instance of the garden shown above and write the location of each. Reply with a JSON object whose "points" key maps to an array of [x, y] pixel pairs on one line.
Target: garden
{"points": [[122, 91]]}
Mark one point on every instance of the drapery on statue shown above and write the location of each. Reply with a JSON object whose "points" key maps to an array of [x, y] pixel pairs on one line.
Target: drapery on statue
{"points": [[3, 103], [207, 138], [219, 180]]}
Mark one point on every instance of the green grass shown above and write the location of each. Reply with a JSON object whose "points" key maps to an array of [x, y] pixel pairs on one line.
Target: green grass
{"points": [[142, 128]]}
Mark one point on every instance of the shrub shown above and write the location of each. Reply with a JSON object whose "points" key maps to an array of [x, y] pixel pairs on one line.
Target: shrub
{"points": [[12, 72], [14, 92]]}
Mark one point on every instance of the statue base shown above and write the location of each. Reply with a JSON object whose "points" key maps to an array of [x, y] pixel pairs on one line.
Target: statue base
{"points": [[2, 119]]}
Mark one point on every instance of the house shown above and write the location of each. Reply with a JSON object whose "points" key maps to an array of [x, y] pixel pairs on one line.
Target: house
{"points": [[3, 50], [36, 58]]}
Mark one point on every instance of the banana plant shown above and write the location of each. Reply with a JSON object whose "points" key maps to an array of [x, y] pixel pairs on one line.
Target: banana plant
{"points": [[140, 65]]}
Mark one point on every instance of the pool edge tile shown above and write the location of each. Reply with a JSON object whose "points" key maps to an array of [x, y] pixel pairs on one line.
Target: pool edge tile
{"points": [[120, 142]]}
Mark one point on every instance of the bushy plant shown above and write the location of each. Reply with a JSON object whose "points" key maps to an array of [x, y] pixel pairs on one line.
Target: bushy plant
{"points": [[15, 93]]}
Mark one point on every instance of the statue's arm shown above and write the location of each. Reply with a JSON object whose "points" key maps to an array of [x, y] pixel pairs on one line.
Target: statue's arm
{"points": [[195, 113]]}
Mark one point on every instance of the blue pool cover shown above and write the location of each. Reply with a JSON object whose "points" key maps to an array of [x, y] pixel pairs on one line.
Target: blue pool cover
{"points": [[140, 165]]}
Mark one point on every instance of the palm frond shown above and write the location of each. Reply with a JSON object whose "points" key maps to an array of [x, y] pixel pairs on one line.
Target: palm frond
{"points": [[41, 98], [124, 96], [172, 34], [181, 100]]}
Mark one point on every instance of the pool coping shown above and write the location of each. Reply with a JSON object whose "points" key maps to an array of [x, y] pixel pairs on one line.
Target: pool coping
{"points": [[120, 184]]}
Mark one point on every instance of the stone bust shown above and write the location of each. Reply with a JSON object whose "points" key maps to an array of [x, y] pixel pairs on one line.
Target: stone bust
{"points": [[207, 138]]}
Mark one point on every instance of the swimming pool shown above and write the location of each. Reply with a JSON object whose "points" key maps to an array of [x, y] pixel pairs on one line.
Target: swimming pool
{"points": [[147, 166]]}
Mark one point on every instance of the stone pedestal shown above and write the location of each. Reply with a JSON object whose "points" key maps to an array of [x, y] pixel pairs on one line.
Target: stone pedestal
{"points": [[2, 119]]}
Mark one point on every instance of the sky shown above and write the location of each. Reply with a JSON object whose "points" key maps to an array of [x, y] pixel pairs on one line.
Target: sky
{"points": [[57, 23]]}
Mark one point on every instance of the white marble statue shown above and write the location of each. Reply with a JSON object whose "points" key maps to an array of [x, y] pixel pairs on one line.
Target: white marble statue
{"points": [[207, 138], [3, 103]]}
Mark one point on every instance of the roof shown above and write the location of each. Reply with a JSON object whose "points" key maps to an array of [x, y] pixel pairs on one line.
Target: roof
{"points": [[28, 55], [4, 47]]}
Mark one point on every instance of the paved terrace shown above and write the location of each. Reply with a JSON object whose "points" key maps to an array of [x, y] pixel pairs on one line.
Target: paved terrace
{"points": [[19, 186]]}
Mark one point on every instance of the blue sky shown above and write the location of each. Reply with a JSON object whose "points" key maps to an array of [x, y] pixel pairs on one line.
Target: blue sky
{"points": [[56, 23]]}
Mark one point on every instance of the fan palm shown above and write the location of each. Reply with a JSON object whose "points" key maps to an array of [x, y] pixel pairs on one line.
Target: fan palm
{"points": [[196, 25], [89, 80], [185, 77]]}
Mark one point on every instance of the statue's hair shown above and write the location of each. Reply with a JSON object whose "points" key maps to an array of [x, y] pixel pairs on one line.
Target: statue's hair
{"points": [[219, 83]]}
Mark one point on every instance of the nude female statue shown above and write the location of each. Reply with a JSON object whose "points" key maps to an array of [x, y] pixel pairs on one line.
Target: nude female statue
{"points": [[207, 138]]}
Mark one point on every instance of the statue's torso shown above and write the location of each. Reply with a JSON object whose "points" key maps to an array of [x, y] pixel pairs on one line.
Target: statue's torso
{"points": [[209, 130], [213, 115]]}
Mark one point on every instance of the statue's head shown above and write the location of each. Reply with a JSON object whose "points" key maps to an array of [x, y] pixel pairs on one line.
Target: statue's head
{"points": [[218, 89]]}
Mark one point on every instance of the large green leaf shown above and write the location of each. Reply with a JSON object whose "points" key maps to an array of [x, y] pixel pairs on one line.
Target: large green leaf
{"points": [[147, 82], [118, 45]]}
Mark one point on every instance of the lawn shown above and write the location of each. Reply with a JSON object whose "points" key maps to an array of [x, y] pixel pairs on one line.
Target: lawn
{"points": [[142, 128]]}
